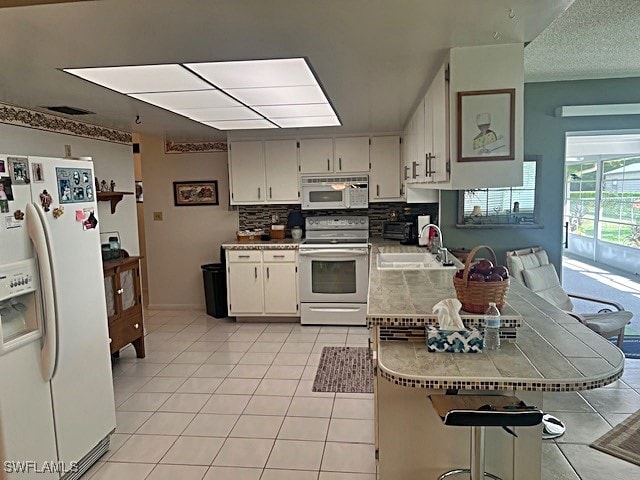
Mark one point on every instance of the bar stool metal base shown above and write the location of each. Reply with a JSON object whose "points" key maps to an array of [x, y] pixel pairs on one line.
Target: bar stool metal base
{"points": [[467, 471], [476, 472]]}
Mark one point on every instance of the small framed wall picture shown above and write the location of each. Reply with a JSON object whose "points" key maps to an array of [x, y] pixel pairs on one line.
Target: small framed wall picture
{"points": [[486, 125], [194, 193], [18, 170], [3, 166], [37, 172], [6, 193]]}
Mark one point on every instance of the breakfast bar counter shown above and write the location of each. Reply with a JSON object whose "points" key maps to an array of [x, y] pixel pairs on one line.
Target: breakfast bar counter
{"points": [[545, 350]]}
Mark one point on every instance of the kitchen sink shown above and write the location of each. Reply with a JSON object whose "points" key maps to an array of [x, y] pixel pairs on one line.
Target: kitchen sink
{"points": [[410, 261]]}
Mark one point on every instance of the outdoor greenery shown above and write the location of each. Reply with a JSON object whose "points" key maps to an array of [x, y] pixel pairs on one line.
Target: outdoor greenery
{"points": [[619, 214]]}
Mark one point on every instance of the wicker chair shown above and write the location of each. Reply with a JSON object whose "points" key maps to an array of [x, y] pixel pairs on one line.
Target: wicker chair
{"points": [[531, 267]]}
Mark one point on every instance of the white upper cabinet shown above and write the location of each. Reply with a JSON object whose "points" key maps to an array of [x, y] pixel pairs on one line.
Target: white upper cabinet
{"points": [[436, 131], [264, 172], [316, 155], [281, 170], [351, 155], [384, 176], [246, 167]]}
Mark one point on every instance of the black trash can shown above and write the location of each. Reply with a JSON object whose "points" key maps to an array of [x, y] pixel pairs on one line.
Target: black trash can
{"points": [[215, 289]]}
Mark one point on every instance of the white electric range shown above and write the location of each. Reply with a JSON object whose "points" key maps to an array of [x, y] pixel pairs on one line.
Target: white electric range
{"points": [[334, 270]]}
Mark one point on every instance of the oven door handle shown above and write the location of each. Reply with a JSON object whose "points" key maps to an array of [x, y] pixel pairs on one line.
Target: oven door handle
{"points": [[332, 251]]}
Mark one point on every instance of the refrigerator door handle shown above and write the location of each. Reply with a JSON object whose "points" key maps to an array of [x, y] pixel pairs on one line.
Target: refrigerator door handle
{"points": [[37, 229]]}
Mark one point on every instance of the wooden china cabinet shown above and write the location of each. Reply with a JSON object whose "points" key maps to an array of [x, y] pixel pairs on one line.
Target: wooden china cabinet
{"points": [[124, 304]]}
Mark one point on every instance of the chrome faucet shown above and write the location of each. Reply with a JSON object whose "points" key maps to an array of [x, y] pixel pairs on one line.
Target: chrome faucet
{"points": [[443, 253]]}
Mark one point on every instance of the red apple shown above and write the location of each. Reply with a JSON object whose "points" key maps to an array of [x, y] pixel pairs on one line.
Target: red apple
{"points": [[493, 277], [502, 271], [484, 266], [476, 277]]}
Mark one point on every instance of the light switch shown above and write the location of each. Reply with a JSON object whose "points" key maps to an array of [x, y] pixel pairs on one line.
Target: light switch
{"points": [[157, 216]]}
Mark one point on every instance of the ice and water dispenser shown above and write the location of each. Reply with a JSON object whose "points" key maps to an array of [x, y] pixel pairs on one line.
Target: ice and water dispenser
{"points": [[19, 304]]}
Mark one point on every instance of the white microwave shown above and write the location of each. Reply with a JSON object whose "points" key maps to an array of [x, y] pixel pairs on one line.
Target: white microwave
{"points": [[336, 192]]}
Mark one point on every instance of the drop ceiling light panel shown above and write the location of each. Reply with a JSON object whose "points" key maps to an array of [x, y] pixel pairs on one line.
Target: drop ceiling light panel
{"points": [[288, 72], [192, 99], [143, 78], [282, 93]]}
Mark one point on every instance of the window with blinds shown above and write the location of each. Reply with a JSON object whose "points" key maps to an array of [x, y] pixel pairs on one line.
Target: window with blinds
{"points": [[502, 206]]}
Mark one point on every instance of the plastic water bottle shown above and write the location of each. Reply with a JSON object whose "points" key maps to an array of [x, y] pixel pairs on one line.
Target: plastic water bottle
{"points": [[492, 327]]}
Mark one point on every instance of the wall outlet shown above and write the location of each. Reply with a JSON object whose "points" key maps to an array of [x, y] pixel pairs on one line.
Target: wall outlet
{"points": [[157, 216]]}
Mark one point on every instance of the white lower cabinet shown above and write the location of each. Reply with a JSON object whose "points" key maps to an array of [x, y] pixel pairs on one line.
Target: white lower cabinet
{"points": [[262, 283]]}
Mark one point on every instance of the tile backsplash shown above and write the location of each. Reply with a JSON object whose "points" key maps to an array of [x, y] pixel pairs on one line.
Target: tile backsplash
{"points": [[259, 216]]}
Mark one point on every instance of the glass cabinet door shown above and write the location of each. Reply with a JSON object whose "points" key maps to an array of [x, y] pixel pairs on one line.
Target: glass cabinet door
{"points": [[109, 291]]}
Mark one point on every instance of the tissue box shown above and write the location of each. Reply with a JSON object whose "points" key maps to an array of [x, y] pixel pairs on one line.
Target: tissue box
{"points": [[459, 341]]}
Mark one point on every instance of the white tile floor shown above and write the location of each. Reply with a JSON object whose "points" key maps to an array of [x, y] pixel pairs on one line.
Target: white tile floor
{"points": [[218, 400]]}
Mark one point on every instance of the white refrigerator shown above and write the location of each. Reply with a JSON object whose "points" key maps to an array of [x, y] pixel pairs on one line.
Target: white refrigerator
{"points": [[56, 391]]}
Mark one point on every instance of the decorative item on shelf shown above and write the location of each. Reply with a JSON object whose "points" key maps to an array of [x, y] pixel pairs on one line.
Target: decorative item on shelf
{"points": [[103, 186], [97, 182], [295, 221], [112, 186], [477, 211], [111, 249], [478, 284]]}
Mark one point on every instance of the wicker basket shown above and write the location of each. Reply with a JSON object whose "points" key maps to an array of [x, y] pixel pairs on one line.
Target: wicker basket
{"points": [[475, 296]]}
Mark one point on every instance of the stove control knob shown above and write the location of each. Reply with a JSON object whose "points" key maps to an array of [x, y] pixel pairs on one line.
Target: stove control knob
{"points": [[350, 222], [362, 220]]}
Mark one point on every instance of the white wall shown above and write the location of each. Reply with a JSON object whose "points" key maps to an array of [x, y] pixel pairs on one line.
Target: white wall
{"points": [[187, 237], [491, 67], [111, 161]]}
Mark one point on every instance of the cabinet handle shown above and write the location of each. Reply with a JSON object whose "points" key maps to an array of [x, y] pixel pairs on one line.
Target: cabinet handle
{"points": [[119, 291], [270, 195], [258, 192], [136, 325], [340, 163], [406, 169], [328, 166], [110, 340], [413, 170], [278, 256], [244, 256], [267, 273], [377, 190], [427, 161], [255, 270]]}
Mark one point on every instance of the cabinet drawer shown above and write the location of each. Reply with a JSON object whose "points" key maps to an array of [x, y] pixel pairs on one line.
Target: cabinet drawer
{"points": [[279, 255], [124, 331], [245, 256]]}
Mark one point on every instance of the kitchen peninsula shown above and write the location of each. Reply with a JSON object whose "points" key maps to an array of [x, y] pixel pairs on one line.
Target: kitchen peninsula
{"points": [[551, 353]]}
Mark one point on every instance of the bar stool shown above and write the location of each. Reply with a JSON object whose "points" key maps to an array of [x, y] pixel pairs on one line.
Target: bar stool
{"points": [[478, 412]]}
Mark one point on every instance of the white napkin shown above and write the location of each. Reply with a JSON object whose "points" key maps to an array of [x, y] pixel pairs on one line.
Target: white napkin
{"points": [[448, 317]]}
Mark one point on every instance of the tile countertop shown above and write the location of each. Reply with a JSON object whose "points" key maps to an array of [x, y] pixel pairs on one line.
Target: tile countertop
{"points": [[284, 244], [553, 351]]}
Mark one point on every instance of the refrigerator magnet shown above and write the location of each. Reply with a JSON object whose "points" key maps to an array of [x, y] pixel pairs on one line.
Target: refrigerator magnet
{"points": [[4, 206], [6, 193], [58, 212], [80, 216], [18, 215], [37, 173], [19, 170], [90, 223], [45, 200]]}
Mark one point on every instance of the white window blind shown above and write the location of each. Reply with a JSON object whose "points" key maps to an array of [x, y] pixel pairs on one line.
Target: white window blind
{"points": [[509, 205]]}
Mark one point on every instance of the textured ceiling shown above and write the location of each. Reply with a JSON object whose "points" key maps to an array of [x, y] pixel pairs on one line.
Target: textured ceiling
{"points": [[592, 39]]}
